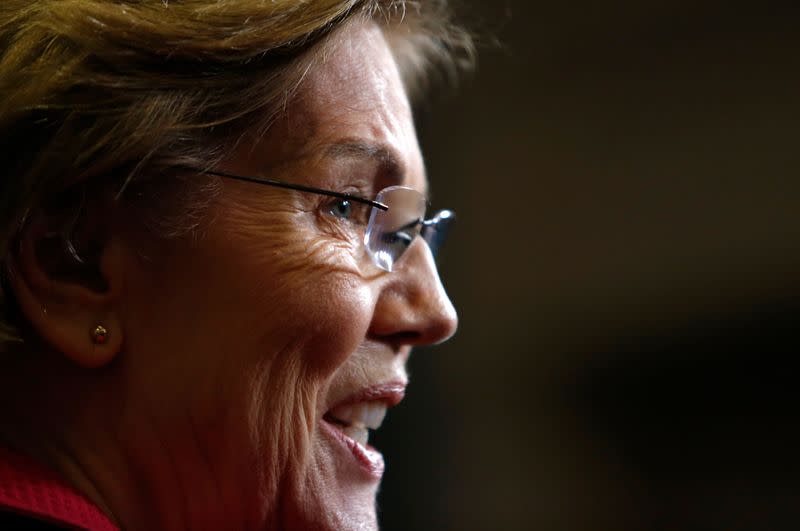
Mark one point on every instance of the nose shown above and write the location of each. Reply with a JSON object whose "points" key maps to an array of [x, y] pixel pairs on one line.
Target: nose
{"points": [[412, 307]]}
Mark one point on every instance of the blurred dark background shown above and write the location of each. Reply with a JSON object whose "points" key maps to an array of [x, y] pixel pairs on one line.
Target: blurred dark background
{"points": [[626, 267]]}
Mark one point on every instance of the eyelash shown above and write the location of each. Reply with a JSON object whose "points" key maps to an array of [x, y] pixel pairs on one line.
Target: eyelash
{"points": [[346, 210]]}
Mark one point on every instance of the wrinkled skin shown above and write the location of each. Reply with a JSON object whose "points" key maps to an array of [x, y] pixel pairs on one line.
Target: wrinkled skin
{"points": [[238, 339]]}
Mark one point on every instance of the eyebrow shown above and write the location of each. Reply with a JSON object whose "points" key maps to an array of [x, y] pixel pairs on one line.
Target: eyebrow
{"points": [[392, 169]]}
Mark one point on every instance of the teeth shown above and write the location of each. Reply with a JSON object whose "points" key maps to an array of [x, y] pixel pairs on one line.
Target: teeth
{"points": [[360, 435], [364, 415]]}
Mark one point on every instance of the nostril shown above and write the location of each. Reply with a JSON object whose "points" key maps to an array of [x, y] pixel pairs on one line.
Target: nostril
{"points": [[433, 331], [401, 339]]}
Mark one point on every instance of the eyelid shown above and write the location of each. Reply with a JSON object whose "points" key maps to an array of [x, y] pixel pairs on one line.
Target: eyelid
{"points": [[360, 211], [356, 187], [362, 191]]}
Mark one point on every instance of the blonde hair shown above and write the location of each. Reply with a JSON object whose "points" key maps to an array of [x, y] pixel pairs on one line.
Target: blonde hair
{"points": [[123, 91]]}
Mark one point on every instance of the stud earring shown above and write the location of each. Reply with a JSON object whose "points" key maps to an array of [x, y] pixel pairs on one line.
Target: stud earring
{"points": [[99, 334]]}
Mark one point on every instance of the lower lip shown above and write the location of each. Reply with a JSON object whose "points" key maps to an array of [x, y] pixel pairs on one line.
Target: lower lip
{"points": [[368, 459]]}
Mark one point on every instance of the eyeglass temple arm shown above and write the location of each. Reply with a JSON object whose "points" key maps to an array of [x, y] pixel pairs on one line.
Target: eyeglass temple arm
{"points": [[299, 187]]}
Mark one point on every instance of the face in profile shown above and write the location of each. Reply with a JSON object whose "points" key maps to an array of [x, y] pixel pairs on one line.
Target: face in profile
{"points": [[263, 349]]}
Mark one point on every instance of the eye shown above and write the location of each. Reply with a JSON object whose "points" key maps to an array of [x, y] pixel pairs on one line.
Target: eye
{"points": [[345, 209], [340, 208]]}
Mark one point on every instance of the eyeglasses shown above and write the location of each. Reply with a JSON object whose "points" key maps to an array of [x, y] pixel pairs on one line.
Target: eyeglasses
{"points": [[397, 216]]}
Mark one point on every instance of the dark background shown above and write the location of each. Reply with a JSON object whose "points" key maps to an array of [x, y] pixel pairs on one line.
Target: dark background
{"points": [[626, 267]]}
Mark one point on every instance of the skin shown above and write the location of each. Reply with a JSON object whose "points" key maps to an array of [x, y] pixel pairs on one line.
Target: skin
{"points": [[228, 345]]}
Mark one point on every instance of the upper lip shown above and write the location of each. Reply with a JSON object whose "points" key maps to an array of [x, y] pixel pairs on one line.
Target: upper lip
{"points": [[389, 392]]}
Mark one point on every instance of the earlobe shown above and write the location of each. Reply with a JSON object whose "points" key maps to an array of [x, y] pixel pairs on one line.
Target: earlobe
{"points": [[61, 308]]}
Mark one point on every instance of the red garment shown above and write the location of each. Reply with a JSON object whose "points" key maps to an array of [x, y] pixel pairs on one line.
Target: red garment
{"points": [[28, 488]]}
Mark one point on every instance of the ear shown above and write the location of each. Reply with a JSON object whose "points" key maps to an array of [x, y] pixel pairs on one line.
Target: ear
{"points": [[64, 298]]}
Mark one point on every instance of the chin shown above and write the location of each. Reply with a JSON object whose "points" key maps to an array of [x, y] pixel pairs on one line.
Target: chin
{"points": [[340, 476], [338, 491]]}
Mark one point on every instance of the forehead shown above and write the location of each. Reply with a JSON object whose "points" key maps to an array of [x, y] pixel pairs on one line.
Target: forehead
{"points": [[352, 94], [357, 69]]}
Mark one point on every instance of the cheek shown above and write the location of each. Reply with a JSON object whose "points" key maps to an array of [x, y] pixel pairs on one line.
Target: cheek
{"points": [[303, 285], [343, 310], [324, 308], [239, 330]]}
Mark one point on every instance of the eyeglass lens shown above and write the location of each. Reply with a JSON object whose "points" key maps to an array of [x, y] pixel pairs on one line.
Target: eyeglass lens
{"points": [[391, 232]]}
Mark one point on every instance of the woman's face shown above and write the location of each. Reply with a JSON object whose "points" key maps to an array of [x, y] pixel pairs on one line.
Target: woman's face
{"points": [[259, 349]]}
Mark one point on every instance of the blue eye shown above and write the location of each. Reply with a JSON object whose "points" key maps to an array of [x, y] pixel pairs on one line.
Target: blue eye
{"points": [[341, 208]]}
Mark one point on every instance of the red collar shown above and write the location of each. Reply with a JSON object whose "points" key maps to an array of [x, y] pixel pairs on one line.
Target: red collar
{"points": [[27, 487]]}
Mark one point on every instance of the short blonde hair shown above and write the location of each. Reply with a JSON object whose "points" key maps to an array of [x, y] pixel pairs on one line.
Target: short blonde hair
{"points": [[128, 89]]}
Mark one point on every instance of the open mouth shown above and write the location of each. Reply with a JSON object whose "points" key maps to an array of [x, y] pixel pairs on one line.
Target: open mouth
{"points": [[356, 420], [351, 420]]}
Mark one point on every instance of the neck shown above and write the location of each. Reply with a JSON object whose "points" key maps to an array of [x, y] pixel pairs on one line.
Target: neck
{"points": [[77, 422]]}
